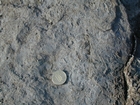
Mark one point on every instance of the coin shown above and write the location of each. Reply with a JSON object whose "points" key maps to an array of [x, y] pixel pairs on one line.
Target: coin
{"points": [[59, 77]]}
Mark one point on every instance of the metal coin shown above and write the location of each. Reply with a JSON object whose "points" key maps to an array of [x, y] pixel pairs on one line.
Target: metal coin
{"points": [[59, 77]]}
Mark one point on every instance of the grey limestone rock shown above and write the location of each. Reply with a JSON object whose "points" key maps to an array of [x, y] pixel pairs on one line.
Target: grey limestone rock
{"points": [[132, 70], [89, 39]]}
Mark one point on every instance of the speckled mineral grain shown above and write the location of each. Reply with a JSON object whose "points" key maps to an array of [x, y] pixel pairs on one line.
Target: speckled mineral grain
{"points": [[88, 39]]}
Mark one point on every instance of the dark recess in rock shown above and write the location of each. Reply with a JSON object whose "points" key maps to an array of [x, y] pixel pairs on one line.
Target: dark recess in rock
{"points": [[133, 71]]}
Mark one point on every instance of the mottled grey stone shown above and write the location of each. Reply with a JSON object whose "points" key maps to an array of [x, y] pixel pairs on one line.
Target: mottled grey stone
{"points": [[132, 70], [89, 39]]}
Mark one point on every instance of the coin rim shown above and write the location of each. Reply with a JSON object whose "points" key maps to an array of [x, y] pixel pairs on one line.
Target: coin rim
{"points": [[63, 79]]}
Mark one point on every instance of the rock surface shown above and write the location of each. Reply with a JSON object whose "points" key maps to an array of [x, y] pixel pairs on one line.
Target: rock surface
{"points": [[89, 39], [132, 70]]}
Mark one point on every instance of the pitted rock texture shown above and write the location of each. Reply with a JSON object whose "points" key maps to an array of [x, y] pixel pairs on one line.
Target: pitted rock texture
{"points": [[132, 73], [133, 81], [89, 39]]}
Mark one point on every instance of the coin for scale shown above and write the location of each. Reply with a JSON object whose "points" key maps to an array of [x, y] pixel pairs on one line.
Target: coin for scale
{"points": [[59, 77]]}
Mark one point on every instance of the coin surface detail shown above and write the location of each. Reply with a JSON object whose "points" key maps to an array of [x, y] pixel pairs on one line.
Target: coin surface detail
{"points": [[59, 77]]}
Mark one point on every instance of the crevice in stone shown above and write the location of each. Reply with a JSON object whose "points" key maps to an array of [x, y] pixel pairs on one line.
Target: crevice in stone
{"points": [[125, 88], [133, 21], [132, 52]]}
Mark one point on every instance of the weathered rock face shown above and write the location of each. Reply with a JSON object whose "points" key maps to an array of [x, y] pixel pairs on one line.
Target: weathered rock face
{"points": [[132, 70], [88, 39]]}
